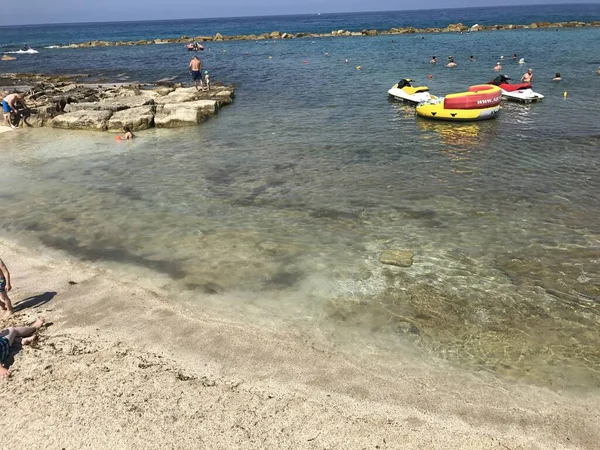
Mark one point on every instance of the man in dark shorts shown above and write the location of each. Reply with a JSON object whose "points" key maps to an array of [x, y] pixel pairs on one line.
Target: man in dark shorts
{"points": [[196, 72]]}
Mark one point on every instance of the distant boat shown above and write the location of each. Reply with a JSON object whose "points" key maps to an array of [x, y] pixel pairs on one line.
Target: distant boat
{"points": [[28, 51]]}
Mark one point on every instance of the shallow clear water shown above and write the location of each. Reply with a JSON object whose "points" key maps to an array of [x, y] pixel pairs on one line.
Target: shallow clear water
{"points": [[278, 208]]}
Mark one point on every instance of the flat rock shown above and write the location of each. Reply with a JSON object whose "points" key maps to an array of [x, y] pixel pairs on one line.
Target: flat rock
{"points": [[400, 258], [113, 104], [140, 118], [180, 95], [175, 115], [83, 120]]}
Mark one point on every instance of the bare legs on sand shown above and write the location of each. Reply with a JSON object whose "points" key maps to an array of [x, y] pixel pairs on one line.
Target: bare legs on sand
{"points": [[5, 305], [24, 335]]}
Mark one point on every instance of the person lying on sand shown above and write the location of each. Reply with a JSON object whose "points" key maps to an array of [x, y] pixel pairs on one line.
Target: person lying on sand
{"points": [[5, 286], [22, 335]]}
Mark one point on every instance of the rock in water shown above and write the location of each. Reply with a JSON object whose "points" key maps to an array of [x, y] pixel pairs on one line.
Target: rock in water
{"points": [[400, 258], [137, 119], [82, 120], [184, 114]]}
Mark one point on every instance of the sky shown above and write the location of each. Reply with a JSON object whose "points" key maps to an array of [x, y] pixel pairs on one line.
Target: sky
{"points": [[65, 11]]}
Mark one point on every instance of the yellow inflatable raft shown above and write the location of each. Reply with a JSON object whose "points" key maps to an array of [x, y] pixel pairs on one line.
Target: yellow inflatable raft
{"points": [[434, 109], [480, 103]]}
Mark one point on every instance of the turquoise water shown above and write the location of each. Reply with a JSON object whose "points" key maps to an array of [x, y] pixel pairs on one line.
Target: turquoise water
{"points": [[276, 210]]}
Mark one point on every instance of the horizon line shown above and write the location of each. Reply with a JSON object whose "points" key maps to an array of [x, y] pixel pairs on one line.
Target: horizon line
{"points": [[292, 15]]}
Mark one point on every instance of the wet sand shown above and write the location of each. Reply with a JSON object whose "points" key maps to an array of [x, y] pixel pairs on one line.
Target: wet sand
{"points": [[123, 365]]}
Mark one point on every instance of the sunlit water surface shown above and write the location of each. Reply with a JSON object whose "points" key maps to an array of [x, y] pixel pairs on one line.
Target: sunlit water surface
{"points": [[279, 208]]}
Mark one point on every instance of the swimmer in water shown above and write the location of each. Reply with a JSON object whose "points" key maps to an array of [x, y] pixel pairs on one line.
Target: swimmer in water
{"points": [[128, 134], [451, 62], [498, 66], [514, 56], [433, 60], [557, 77], [527, 76], [471, 58]]}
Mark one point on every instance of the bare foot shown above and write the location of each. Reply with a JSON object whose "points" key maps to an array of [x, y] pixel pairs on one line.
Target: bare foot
{"points": [[4, 372], [38, 323], [29, 340]]}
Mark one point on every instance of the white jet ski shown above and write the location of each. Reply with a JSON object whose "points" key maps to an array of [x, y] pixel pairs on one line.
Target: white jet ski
{"points": [[403, 90], [24, 51], [521, 92]]}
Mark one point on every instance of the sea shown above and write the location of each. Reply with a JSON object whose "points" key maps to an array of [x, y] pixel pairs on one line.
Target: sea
{"points": [[275, 212]]}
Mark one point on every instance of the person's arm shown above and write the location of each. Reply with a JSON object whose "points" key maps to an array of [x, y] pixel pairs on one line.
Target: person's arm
{"points": [[6, 274]]}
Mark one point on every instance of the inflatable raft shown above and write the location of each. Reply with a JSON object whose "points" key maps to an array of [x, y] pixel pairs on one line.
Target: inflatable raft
{"points": [[481, 102]]}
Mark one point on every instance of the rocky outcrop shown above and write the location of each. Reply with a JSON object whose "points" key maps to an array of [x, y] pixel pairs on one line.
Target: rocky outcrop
{"points": [[218, 37], [82, 120], [69, 105], [140, 118], [113, 104], [174, 115]]}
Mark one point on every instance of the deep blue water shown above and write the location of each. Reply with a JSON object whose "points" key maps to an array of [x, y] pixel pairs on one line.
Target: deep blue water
{"points": [[43, 35]]}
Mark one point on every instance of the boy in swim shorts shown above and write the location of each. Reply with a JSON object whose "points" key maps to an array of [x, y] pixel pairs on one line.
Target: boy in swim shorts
{"points": [[5, 303]]}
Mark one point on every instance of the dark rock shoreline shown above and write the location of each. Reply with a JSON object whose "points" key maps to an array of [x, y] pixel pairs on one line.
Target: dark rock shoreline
{"points": [[451, 28], [62, 101]]}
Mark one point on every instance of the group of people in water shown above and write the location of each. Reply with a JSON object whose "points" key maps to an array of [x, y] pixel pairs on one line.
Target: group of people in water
{"points": [[526, 78]]}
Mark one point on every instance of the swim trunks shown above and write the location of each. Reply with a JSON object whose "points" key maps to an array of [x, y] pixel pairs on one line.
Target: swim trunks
{"points": [[4, 348], [6, 107], [2, 284], [196, 75]]}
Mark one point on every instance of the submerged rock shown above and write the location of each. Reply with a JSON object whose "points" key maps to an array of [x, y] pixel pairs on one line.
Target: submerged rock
{"points": [[400, 258]]}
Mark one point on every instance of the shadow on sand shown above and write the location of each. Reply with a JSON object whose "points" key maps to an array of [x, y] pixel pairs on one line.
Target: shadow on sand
{"points": [[35, 301]]}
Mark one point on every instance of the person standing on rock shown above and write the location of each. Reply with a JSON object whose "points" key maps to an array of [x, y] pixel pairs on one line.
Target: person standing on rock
{"points": [[196, 72]]}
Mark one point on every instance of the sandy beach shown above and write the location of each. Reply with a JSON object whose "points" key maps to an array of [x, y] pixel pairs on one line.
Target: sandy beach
{"points": [[120, 367]]}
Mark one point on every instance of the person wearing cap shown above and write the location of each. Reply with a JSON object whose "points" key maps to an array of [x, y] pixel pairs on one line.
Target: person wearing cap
{"points": [[207, 80], [498, 66]]}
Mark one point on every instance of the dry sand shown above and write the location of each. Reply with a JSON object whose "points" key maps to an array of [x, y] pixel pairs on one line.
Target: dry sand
{"points": [[121, 367]]}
